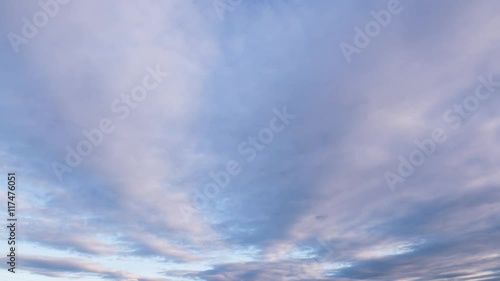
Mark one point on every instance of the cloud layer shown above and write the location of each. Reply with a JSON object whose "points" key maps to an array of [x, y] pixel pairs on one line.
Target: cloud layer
{"points": [[313, 203]]}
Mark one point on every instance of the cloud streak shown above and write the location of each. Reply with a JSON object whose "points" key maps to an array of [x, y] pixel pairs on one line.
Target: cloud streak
{"points": [[312, 205]]}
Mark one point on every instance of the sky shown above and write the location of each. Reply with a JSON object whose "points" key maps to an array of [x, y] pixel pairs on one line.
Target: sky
{"points": [[245, 140]]}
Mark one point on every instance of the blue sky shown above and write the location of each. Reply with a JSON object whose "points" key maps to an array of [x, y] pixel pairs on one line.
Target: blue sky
{"points": [[246, 144]]}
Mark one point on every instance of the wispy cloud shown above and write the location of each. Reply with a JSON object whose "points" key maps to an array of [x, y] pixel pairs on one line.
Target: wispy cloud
{"points": [[314, 203]]}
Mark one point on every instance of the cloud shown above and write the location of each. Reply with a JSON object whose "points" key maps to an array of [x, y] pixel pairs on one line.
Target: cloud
{"points": [[314, 204], [63, 268]]}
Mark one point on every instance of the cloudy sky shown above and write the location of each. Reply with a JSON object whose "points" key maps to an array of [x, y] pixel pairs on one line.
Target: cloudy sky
{"points": [[236, 140]]}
